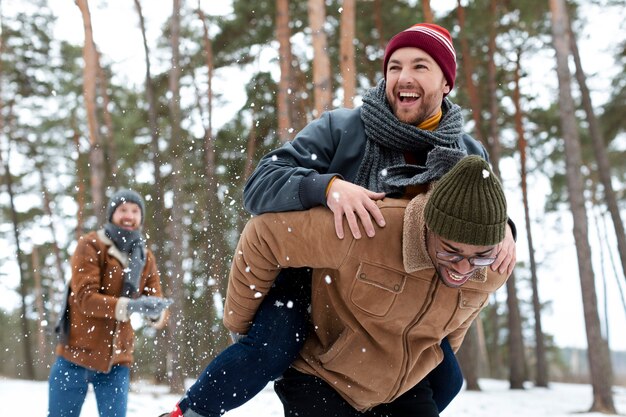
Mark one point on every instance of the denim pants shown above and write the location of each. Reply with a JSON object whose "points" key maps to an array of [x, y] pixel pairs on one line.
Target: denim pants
{"points": [[243, 369], [68, 384]]}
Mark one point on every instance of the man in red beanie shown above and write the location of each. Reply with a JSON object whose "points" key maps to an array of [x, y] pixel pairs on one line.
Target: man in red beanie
{"points": [[406, 134], [418, 95]]}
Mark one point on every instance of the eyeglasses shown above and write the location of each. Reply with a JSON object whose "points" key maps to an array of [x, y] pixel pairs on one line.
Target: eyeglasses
{"points": [[455, 258]]}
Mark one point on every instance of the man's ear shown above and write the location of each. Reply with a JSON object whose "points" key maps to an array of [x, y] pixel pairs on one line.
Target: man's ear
{"points": [[446, 89]]}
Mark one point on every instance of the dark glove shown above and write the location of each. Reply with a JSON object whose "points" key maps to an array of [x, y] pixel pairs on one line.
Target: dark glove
{"points": [[148, 306]]}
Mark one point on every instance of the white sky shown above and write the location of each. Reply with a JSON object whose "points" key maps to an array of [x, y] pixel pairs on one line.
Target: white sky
{"points": [[117, 35], [27, 398]]}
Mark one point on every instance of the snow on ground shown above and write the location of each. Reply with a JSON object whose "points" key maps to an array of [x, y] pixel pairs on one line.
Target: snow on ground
{"points": [[28, 398]]}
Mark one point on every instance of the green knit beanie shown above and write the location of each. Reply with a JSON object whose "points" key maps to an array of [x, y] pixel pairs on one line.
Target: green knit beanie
{"points": [[467, 205]]}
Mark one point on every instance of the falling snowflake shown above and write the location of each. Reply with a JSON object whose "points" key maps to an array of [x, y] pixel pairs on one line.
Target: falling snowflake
{"points": [[328, 279], [485, 173]]}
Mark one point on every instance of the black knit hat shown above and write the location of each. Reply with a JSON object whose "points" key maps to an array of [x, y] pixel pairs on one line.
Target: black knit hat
{"points": [[468, 205], [124, 196]]}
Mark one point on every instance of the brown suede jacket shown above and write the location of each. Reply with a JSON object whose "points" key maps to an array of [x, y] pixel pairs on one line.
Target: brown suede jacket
{"points": [[379, 311], [97, 340]]}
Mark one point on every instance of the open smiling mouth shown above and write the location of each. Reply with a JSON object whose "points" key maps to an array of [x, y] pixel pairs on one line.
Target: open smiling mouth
{"points": [[406, 97], [457, 279]]}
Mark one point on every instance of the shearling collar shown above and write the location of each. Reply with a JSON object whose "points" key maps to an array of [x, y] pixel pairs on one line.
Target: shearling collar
{"points": [[113, 250], [414, 253]]}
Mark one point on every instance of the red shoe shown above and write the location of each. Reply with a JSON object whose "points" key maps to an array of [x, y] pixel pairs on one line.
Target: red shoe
{"points": [[175, 413]]}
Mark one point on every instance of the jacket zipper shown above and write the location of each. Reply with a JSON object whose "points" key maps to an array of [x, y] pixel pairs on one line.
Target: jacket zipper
{"points": [[416, 322]]}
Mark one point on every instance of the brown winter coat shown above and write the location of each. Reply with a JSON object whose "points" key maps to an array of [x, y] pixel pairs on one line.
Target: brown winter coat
{"points": [[96, 339], [379, 311]]}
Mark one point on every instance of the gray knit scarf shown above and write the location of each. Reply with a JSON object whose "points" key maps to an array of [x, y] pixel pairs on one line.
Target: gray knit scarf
{"points": [[383, 167], [131, 243]]}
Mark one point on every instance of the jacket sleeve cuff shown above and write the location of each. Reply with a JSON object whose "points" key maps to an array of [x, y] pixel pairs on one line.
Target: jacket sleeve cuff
{"points": [[121, 309], [513, 228], [313, 189]]}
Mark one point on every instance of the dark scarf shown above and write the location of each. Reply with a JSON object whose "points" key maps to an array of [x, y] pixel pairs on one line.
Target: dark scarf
{"points": [[131, 243], [383, 167]]}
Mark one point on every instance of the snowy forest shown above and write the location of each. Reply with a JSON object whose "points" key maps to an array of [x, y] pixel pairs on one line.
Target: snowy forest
{"points": [[73, 130]]}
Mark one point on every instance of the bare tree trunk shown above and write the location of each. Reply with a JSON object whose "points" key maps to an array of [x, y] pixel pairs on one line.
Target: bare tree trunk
{"points": [[599, 149], [493, 138], [468, 70], [427, 11], [29, 371], [249, 167], [110, 147], [516, 342], [42, 339], [620, 283], [322, 90], [605, 303], [158, 221], [28, 368], [175, 325], [285, 60], [80, 186], [216, 230], [495, 358], [58, 259], [469, 350], [90, 75], [467, 354], [597, 347], [346, 45], [541, 365], [301, 107]]}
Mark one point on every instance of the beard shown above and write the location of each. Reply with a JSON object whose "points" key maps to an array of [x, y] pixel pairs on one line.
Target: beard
{"points": [[425, 107]]}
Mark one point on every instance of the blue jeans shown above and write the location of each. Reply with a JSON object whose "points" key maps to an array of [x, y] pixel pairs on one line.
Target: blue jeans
{"points": [[68, 384], [243, 369]]}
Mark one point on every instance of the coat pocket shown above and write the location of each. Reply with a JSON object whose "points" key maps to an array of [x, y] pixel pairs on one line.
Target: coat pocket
{"points": [[468, 302], [376, 288]]}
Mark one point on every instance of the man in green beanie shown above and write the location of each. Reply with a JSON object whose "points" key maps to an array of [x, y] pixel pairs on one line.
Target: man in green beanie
{"points": [[380, 306]]}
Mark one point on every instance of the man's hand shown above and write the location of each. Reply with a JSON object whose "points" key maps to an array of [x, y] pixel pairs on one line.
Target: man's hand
{"points": [[506, 257], [352, 201]]}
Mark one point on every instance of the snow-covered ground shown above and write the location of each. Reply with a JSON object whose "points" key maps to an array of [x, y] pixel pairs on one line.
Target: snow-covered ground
{"points": [[26, 398]]}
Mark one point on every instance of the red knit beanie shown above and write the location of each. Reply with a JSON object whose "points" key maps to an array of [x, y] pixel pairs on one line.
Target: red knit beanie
{"points": [[432, 39]]}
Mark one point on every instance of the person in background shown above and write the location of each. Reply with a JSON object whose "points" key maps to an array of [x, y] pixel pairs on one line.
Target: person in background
{"points": [[113, 276], [406, 134], [380, 306]]}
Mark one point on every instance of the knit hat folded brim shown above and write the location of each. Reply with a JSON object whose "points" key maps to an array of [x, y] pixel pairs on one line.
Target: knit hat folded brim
{"points": [[432, 39], [468, 205], [124, 196]]}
